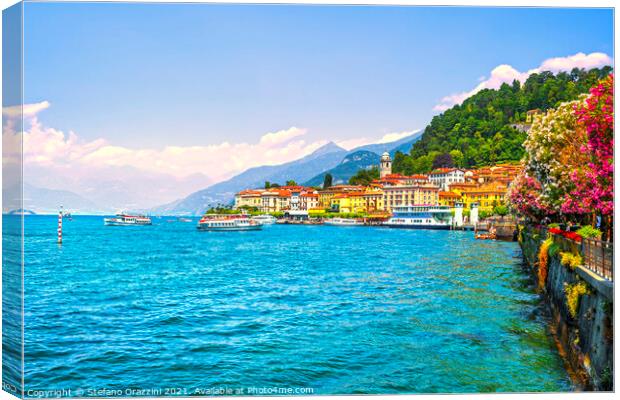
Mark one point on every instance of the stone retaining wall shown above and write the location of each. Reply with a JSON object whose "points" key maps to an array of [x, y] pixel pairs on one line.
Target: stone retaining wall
{"points": [[586, 339]]}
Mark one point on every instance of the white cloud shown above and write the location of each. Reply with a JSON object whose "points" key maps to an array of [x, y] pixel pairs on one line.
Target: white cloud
{"points": [[29, 110], [49, 147], [579, 60], [506, 74], [275, 138], [118, 176], [349, 144], [394, 136], [387, 138]]}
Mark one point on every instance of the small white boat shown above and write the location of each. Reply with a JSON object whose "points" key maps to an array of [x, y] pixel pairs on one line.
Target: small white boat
{"points": [[214, 222], [265, 219], [344, 222], [127, 220]]}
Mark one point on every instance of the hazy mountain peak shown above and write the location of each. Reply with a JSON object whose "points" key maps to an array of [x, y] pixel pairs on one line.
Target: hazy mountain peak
{"points": [[311, 169], [327, 148]]}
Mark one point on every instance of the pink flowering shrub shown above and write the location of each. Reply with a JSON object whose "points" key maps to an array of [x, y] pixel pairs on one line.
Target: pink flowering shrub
{"points": [[524, 196], [594, 183]]}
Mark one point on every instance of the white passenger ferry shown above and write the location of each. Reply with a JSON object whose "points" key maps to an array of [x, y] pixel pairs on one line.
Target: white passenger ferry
{"points": [[233, 222], [265, 219], [127, 220], [420, 217], [344, 222]]}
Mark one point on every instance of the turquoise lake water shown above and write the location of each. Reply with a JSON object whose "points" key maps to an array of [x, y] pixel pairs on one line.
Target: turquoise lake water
{"points": [[339, 310]]}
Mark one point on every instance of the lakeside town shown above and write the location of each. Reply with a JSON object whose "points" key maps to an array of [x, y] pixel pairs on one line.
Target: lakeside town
{"points": [[482, 190]]}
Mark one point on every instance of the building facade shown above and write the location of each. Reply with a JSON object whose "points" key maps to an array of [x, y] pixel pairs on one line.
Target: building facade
{"points": [[449, 199], [444, 177], [280, 199], [309, 201], [327, 195], [248, 199], [487, 196], [404, 195]]}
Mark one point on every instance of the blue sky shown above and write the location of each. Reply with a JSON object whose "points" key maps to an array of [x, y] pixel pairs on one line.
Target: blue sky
{"points": [[161, 100], [139, 74]]}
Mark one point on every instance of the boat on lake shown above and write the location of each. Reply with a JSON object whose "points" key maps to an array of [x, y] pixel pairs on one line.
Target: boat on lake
{"points": [[420, 217], [127, 220], [232, 222], [265, 219], [344, 222]]}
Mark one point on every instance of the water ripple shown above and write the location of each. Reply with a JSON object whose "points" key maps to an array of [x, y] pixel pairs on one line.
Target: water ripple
{"points": [[343, 311]]}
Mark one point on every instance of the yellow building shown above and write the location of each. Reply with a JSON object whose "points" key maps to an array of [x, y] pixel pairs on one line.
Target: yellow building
{"points": [[367, 201], [341, 202], [374, 199], [449, 198], [461, 187], [248, 198], [404, 195], [274, 200], [326, 195], [352, 202], [487, 196]]}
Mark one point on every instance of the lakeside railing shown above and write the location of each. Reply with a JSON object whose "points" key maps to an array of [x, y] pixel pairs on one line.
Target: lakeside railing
{"points": [[598, 256]]}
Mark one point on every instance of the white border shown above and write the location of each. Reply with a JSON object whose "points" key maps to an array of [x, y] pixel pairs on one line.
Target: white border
{"points": [[485, 3]]}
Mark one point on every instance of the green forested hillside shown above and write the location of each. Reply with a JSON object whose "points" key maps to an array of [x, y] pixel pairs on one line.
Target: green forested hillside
{"points": [[479, 132]]}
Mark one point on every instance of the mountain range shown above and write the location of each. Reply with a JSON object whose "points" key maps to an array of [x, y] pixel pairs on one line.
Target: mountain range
{"points": [[309, 170], [350, 164], [47, 201]]}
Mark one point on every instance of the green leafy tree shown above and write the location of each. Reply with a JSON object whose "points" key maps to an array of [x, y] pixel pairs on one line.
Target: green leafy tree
{"points": [[364, 176], [291, 183], [500, 210], [457, 157], [327, 181], [488, 127]]}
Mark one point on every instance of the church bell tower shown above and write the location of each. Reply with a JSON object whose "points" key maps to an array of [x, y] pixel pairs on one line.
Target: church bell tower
{"points": [[386, 165]]}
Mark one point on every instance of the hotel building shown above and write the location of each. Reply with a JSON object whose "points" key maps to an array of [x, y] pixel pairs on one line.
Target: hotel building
{"points": [[444, 177]]}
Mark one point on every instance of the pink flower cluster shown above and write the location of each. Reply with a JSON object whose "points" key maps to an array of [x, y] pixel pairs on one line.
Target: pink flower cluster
{"points": [[594, 183], [524, 196]]}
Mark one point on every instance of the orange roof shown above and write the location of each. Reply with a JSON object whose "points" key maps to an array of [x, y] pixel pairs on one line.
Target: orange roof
{"points": [[342, 188], [448, 194], [397, 178], [284, 193], [422, 186], [295, 188], [489, 188], [394, 176], [309, 195], [276, 192], [249, 192]]}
